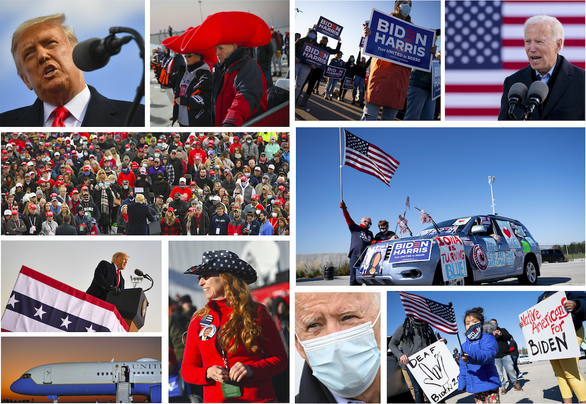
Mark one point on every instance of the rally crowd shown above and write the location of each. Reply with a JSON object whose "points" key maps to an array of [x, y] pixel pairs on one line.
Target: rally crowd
{"points": [[145, 183]]}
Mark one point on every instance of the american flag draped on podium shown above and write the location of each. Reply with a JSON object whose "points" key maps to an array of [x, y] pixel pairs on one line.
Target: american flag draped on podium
{"points": [[485, 44], [368, 158], [39, 303], [438, 315]]}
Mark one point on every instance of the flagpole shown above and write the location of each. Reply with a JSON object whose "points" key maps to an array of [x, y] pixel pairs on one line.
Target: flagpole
{"points": [[341, 165], [458, 335]]}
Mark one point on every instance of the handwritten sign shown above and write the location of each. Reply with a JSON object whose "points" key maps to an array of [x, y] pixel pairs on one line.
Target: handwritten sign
{"points": [[329, 28], [509, 234], [335, 73], [453, 257], [435, 370], [436, 79], [549, 331], [314, 55], [399, 42]]}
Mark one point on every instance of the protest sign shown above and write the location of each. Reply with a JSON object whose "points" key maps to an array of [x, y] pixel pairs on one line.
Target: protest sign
{"points": [[335, 73], [361, 44], [399, 42], [329, 28], [549, 331], [509, 234], [453, 257], [435, 370], [436, 79], [348, 83], [372, 263], [408, 251], [315, 56]]}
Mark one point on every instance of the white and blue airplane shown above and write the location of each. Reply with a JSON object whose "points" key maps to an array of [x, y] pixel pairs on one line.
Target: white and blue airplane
{"points": [[92, 379]]}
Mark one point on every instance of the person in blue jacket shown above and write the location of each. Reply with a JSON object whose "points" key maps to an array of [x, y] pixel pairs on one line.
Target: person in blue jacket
{"points": [[220, 221], [478, 374]]}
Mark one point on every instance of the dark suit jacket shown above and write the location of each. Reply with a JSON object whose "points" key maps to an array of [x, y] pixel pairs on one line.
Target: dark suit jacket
{"points": [[137, 218], [104, 277], [565, 100], [101, 112], [311, 390], [66, 230]]}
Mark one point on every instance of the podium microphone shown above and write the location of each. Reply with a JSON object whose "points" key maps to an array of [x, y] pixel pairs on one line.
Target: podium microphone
{"points": [[94, 53], [516, 96], [138, 272], [537, 94]]}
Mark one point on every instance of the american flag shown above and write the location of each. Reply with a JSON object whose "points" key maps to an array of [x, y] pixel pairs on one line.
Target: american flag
{"points": [[39, 303], [485, 44], [368, 158], [438, 315]]}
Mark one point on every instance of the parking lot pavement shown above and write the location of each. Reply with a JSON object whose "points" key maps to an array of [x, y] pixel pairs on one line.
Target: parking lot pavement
{"points": [[539, 385], [338, 281]]}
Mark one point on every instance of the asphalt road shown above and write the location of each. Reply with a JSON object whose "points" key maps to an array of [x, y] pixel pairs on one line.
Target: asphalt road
{"points": [[563, 273], [320, 109]]}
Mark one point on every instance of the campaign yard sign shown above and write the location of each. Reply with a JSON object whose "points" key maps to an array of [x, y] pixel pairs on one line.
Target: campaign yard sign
{"points": [[315, 56], [335, 73], [453, 257], [329, 28], [436, 79], [399, 42], [549, 331], [409, 251], [435, 370], [348, 83]]}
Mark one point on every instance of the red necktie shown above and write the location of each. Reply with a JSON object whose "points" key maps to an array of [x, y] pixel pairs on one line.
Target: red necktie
{"points": [[60, 114], [118, 278]]}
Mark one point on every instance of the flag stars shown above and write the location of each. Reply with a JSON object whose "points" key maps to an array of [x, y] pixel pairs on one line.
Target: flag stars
{"points": [[90, 329], [12, 301], [39, 312], [65, 322]]}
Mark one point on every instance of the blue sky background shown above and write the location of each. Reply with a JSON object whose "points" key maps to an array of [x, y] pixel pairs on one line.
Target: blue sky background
{"points": [[89, 18], [539, 181], [505, 307], [352, 14]]}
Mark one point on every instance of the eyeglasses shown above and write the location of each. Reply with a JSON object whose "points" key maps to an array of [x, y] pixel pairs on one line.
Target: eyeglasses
{"points": [[207, 276]]}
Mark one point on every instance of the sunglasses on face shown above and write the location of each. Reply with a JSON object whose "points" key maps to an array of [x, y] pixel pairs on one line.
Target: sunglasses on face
{"points": [[206, 276]]}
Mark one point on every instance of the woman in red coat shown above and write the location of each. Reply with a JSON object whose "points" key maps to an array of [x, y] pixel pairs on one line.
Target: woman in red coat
{"points": [[233, 347], [170, 225]]}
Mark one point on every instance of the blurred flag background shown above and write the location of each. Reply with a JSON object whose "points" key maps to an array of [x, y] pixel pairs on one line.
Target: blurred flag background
{"points": [[485, 44]]}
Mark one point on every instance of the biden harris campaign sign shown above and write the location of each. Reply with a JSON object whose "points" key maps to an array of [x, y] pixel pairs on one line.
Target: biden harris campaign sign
{"points": [[329, 28], [315, 56], [399, 42]]}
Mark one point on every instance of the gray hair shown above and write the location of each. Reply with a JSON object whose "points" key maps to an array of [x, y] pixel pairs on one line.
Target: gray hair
{"points": [[557, 29], [55, 19]]}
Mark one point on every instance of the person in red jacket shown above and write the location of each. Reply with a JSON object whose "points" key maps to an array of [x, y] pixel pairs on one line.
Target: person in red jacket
{"points": [[233, 346], [126, 174], [235, 226], [197, 151], [182, 189]]}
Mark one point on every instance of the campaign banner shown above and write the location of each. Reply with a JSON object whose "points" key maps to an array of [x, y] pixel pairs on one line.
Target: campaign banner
{"points": [[373, 261], [549, 330], [409, 251], [436, 79], [335, 73], [315, 55], [399, 42], [435, 370], [348, 83], [453, 257], [329, 28]]}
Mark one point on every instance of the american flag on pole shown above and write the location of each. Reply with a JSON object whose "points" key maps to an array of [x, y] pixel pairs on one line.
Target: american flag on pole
{"points": [[368, 158], [485, 44], [39, 303], [438, 315]]}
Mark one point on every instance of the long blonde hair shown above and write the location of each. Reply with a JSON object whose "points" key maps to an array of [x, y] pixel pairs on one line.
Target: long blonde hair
{"points": [[243, 326]]}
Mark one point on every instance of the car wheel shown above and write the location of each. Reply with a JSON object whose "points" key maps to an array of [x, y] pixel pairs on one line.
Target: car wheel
{"points": [[529, 276]]}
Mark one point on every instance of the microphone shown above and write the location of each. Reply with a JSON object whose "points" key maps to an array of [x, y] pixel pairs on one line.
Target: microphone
{"points": [[138, 272], [537, 94], [516, 96], [94, 53]]}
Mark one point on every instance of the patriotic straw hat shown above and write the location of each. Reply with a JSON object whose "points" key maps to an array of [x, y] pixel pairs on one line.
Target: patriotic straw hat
{"points": [[224, 261]]}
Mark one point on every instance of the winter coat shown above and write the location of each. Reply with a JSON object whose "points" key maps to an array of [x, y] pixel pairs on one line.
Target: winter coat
{"points": [[387, 84], [480, 374]]}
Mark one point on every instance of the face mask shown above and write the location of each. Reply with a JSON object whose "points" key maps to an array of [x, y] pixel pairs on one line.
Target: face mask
{"points": [[125, 186], [144, 165], [265, 181], [258, 211], [345, 361], [404, 9], [312, 36], [107, 184], [249, 141], [247, 175], [100, 185], [157, 154], [274, 214], [206, 192], [474, 332], [181, 186]]}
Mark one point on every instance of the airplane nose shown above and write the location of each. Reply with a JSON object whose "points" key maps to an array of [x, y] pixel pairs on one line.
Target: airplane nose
{"points": [[17, 387]]}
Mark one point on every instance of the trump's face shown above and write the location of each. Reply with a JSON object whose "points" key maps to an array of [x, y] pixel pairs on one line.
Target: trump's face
{"points": [[47, 67], [541, 49]]}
